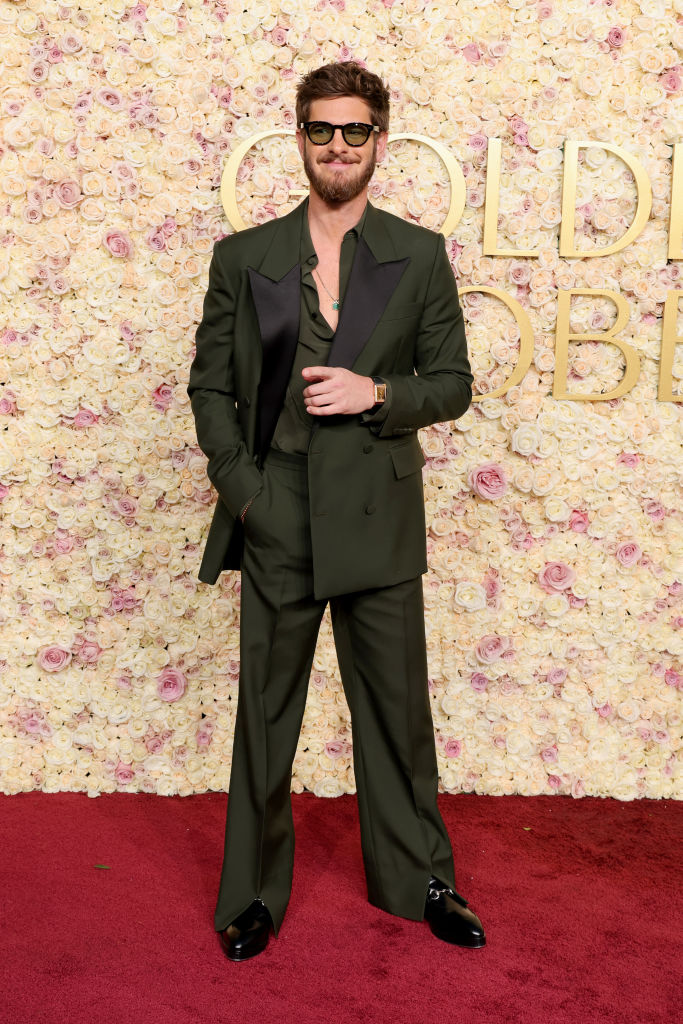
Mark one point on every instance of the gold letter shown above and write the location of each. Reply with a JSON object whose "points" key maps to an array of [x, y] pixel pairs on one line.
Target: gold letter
{"points": [[526, 338], [676, 218], [563, 338], [643, 194], [229, 176], [491, 206], [669, 339]]}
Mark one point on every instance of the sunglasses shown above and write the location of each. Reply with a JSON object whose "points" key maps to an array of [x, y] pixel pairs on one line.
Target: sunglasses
{"points": [[354, 134]]}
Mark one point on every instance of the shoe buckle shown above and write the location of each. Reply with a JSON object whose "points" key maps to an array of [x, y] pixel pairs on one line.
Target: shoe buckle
{"points": [[438, 890]]}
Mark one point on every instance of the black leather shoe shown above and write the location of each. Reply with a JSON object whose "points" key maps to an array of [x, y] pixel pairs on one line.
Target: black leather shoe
{"points": [[248, 934], [448, 917]]}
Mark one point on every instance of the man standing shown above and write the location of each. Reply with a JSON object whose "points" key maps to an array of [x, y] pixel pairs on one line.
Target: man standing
{"points": [[328, 338]]}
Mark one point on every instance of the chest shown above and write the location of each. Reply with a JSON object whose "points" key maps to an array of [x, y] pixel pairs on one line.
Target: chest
{"points": [[326, 277]]}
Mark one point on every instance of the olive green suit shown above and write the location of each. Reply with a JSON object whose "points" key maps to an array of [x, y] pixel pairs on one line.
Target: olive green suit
{"points": [[344, 522]]}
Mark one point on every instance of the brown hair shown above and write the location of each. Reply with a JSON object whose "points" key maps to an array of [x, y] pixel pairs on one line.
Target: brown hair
{"points": [[346, 78]]}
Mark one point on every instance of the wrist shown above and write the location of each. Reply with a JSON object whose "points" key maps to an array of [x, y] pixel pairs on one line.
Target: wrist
{"points": [[379, 393]]}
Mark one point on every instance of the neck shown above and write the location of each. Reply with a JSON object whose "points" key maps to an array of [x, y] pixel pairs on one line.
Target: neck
{"points": [[333, 220]]}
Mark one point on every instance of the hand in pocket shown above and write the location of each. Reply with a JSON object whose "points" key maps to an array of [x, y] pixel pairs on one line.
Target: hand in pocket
{"points": [[255, 522]]}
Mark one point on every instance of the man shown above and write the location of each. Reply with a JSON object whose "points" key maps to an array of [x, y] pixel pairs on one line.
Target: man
{"points": [[328, 338]]}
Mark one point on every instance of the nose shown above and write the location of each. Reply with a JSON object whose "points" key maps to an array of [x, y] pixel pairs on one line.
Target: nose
{"points": [[337, 141]]}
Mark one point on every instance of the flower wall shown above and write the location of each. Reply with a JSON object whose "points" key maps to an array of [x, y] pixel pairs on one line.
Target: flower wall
{"points": [[553, 599]]}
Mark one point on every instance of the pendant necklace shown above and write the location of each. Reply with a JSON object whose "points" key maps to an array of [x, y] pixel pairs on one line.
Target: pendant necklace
{"points": [[335, 302]]}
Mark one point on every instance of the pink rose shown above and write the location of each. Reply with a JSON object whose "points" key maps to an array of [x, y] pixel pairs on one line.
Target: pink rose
{"points": [[556, 676], [615, 36], [71, 43], [171, 684], [334, 749], [156, 240], [118, 243], [124, 773], [471, 53], [162, 397], [88, 652], [452, 748], [109, 97], [671, 81], [479, 682], [549, 754], [68, 194], [63, 544], [655, 510], [492, 647], [628, 553], [630, 459], [477, 141], [54, 658], [205, 734], [578, 521], [673, 678], [154, 743], [85, 418], [555, 577], [34, 723], [554, 781], [127, 505], [578, 788], [488, 480]]}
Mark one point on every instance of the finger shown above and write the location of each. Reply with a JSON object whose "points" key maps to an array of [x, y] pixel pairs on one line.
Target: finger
{"points": [[323, 410], [321, 388], [319, 400], [318, 372]]}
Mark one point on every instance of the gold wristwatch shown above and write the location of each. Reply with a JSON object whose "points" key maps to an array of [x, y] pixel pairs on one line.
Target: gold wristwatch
{"points": [[380, 392]]}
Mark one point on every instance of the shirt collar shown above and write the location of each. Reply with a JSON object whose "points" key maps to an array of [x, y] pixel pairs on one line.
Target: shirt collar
{"points": [[307, 252]]}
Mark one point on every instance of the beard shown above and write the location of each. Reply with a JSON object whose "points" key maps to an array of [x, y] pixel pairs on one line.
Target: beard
{"points": [[339, 189]]}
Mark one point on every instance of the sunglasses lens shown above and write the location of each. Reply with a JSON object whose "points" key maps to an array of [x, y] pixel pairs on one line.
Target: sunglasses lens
{"points": [[356, 134], [320, 133]]}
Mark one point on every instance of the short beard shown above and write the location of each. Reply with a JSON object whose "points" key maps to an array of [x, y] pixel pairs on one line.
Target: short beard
{"points": [[338, 191]]}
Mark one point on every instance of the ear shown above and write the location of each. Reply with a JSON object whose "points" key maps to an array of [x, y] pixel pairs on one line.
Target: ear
{"points": [[382, 139], [300, 142]]}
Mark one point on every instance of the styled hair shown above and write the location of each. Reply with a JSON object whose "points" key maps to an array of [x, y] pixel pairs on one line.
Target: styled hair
{"points": [[346, 78]]}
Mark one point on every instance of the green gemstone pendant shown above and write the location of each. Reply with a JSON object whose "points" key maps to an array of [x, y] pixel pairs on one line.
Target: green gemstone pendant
{"points": [[335, 305]]}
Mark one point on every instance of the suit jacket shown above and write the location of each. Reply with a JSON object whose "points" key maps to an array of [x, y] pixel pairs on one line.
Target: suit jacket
{"points": [[400, 319]]}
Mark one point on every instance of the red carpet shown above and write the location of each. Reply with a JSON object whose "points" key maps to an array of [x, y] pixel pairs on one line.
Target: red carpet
{"points": [[580, 900]]}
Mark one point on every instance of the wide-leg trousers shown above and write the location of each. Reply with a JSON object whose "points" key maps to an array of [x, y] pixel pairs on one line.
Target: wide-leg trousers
{"points": [[380, 641]]}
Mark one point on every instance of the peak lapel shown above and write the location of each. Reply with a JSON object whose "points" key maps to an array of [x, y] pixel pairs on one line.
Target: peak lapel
{"points": [[374, 276], [276, 290]]}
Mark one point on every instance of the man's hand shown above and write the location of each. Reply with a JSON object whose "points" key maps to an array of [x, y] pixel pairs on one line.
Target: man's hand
{"points": [[336, 390]]}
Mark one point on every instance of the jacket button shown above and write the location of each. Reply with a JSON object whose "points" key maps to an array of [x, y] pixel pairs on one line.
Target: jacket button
{"points": [[370, 510], [367, 448], [246, 401]]}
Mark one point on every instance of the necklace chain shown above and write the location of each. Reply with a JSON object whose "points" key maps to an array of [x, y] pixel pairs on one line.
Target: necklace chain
{"points": [[335, 302]]}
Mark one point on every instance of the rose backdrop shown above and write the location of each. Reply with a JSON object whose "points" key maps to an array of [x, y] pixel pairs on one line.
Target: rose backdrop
{"points": [[553, 599]]}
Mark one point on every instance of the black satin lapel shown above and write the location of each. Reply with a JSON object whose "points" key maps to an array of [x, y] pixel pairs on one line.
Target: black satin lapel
{"points": [[278, 309], [371, 285]]}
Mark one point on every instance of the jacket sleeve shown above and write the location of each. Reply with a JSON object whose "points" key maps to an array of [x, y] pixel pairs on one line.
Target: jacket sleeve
{"points": [[211, 388], [440, 389]]}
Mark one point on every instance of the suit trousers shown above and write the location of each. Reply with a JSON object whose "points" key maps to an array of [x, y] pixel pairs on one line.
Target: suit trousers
{"points": [[380, 641]]}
